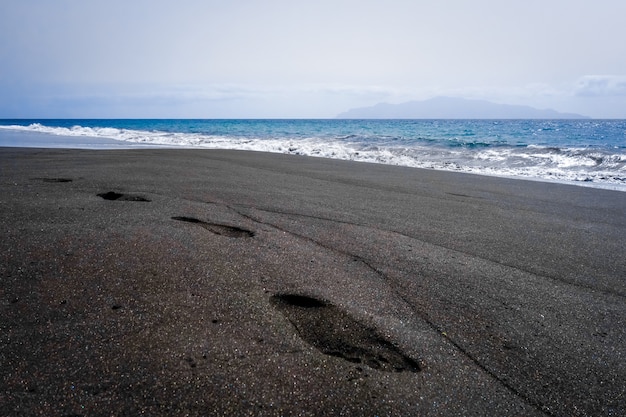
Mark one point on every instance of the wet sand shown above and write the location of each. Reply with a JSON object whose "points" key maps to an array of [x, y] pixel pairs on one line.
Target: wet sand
{"points": [[202, 282]]}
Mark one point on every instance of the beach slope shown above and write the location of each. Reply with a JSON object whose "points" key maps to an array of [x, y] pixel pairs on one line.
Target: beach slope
{"points": [[204, 282]]}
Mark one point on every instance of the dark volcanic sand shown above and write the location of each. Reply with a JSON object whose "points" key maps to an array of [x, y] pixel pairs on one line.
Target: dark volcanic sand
{"points": [[193, 282]]}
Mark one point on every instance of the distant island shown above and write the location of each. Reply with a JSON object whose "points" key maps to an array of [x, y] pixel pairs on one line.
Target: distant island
{"points": [[453, 108]]}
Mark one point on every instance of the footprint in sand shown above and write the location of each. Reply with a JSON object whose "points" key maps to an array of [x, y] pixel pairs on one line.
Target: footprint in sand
{"points": [[113, 196], [335, 333], [218, 229], [55, 179]]}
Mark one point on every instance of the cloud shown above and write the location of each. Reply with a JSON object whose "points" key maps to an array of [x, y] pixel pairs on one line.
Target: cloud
{"points": [[360, 91], [217, 100], [601, 86]]}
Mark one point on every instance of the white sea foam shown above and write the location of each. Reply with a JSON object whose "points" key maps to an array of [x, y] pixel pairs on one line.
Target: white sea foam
{"points": [[577, 165]]}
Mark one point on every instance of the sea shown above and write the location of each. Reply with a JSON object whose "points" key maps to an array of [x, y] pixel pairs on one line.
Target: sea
{"points": [[581, 152]]}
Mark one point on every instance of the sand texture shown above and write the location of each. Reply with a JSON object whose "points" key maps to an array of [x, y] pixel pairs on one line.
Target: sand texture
{"points": [[199, 282]]}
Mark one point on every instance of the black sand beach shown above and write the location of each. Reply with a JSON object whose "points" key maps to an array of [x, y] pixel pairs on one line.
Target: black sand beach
{"points": [[201, 282]]}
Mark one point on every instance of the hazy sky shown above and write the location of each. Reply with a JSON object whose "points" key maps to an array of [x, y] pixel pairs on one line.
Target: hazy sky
{"points": [[291, 58]]}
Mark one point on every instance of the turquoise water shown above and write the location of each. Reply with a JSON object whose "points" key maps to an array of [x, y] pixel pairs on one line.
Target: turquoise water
{"points": [[578, 151]]}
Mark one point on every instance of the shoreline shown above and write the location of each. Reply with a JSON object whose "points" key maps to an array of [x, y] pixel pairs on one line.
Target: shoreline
{"points": [[231, 282], [18, 138]]}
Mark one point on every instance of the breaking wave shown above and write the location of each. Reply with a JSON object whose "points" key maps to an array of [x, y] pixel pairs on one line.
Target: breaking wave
{"points": [[603, 167]]}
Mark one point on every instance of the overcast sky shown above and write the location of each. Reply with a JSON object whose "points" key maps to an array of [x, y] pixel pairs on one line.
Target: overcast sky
{"points": [[313, 58]]}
